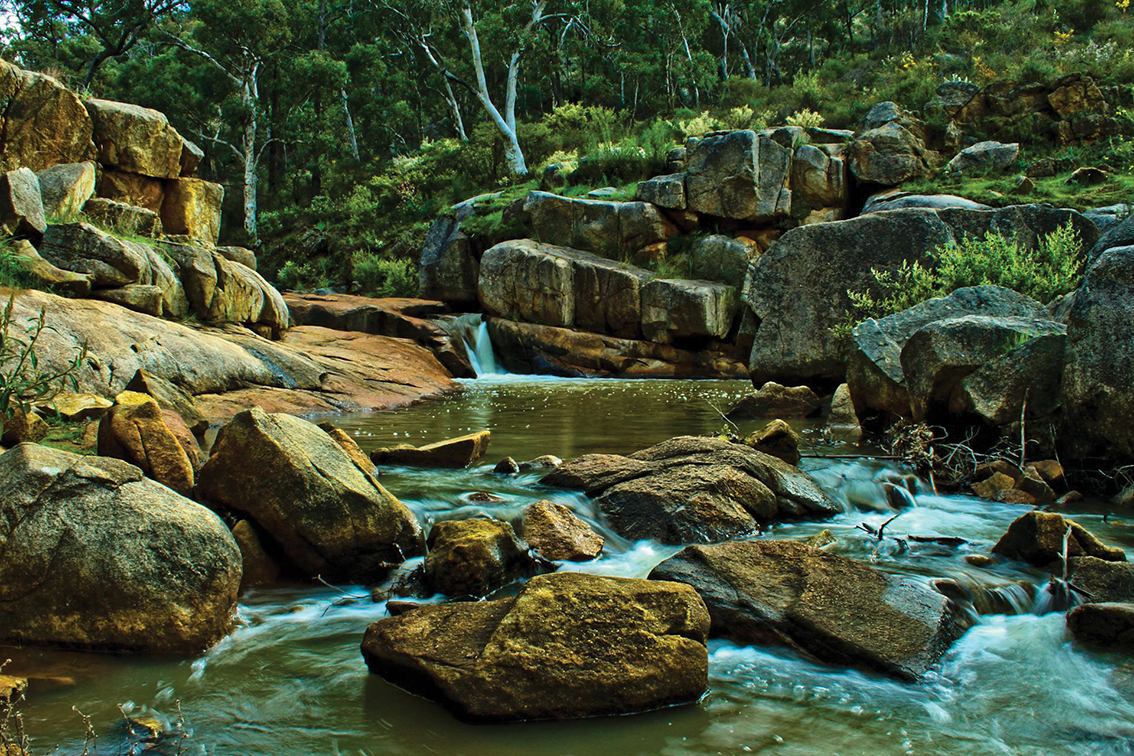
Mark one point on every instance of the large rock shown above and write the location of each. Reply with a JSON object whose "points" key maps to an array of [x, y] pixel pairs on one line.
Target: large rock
{"points": [[893, 199], [556, 533], [568, 646], [721, 258], [220, 290], [774, 400], [1037, 538], [984, 157], [98, 557], [330, 517], [525, 280], [1031, 374], [610, 229], [135, 139], [818, 179], [1118, 235], [170, 397], [875, 377], [890, 147], [673, 310], [454, 453], [1098, 376], [797, 290], [43, 123], [112, 262], [21, 205], [693, 490], [530, 348], [448, 268], [127, 220], [192, 208], [131, 189], [1106, 625], [939, 355], [66, 188], [1103, 579], [834, 608], [1076, 94], [135, 431], [739, 175], [664, 191], [473, 558]]}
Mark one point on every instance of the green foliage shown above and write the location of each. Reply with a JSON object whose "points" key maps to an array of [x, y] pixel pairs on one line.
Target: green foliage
{"points": [[13, 273], [21, 379], [307, 276], [384, 277], [1050, 268]]}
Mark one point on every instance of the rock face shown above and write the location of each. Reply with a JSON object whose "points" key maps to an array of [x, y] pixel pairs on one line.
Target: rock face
{"points": [[836, 609], [610, 229], [693, 490], [774, 400], [797, 290], [556, 533], [1037, 538], [44, 123], [192, 207], [996, 391], [131, 189], [673, 310], [330, 517], [939, 355], [568, 646], [664, 191], [890, 147], [21, 206], [135, 139], [530, 348], [448, 268], [134, 430], [473, 557], [458, 452], [97, 556], [739, 175], [529, 281], [722, 259], [1098, 376], [875, 376], [1106, 625]]}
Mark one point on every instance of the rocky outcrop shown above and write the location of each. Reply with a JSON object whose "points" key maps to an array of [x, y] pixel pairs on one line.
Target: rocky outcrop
{"points": [[556, 533], [21, 206], [1037, 538], [448, 268], [452, 453], [666, 191], [329, 517], [135, 431], [1098, 376], [890, 147], [721, 258], [220, 290], [831, 607], [525, 280], [530, 348], [98, 557], [126, 220], [693, 490], [893, 199], [674, 310], [797, 290], [609, 229], [537, 656], [473, 558], [134, 139], [43, 124], [740, 175]]}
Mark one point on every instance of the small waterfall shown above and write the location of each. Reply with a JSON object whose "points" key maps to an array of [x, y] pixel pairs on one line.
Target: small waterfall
{"points": [[472, 330]]}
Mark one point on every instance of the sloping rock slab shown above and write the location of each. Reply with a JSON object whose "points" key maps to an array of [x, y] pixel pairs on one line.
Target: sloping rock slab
{"points": [[96, 556], [328, 515], [693, 490], [530, 348], [568, 646], [834, 608]]}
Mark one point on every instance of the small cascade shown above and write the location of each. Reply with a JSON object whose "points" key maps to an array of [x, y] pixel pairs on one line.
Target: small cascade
{"points": [[472, 330]]}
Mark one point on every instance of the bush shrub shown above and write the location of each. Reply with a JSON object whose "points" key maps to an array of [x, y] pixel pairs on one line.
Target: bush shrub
{"points": [[379, 276]]}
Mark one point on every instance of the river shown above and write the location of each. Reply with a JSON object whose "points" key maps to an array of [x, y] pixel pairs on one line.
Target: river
{"points": [[290, 678]]}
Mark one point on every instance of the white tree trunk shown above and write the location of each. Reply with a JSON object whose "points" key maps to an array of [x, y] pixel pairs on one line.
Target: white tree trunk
{"points": [[248, 97], [506, 126], [349, 125]]}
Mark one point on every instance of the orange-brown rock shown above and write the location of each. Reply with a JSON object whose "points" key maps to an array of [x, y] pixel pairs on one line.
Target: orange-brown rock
{"points": [[558, 534], [259, 567], [192, 207], [1037, 538], [131, 189], [350, 446], [135, 139], [134, 430]]}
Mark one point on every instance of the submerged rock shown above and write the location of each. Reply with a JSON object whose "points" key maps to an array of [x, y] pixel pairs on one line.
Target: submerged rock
{"points": [[556, 533], [693, 490], [834, 608], [568, 646], [98, 557], [328, 516], [473, 557], [452, 452]]}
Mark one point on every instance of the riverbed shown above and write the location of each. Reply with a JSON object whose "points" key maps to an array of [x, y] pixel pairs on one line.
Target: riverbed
{"points": [[290, 679]]}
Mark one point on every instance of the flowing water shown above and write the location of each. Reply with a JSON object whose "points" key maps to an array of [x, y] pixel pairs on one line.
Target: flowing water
{"points": [[290, 679]]}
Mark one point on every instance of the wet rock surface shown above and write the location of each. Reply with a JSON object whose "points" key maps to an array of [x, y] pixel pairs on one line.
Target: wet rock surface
{"points": [[568, 646], [473, 558], [556, 533], [834, 608]]}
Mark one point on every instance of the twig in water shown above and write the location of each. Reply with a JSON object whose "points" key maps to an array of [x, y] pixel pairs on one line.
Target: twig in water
{"points": [[879, 533], [723, 416], [88, 737], [346, 600], [1023, 429]]}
